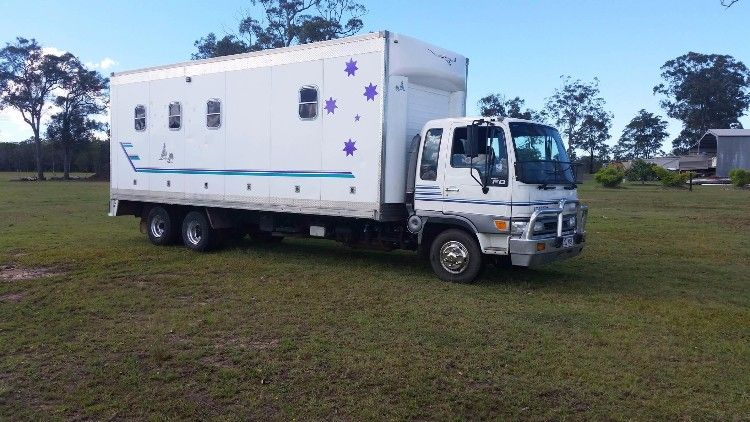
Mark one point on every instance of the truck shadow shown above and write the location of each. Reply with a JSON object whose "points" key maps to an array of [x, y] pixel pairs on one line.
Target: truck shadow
{"points": [[404, 263]]}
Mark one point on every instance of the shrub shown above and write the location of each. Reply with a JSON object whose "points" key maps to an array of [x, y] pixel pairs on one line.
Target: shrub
{"points": [[670, 178], [640, 171], [609, 177], [739, 177]]}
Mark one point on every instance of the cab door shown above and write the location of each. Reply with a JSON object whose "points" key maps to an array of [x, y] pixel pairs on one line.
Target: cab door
{"points": [[464, 173], [428, 193]]}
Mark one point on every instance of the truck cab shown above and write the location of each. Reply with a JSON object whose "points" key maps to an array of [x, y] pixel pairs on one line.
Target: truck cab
{"points": [[497, 188]]}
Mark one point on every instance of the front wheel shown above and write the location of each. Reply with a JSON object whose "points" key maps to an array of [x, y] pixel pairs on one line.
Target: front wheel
{"points": [[455, 256], [197, 233]]}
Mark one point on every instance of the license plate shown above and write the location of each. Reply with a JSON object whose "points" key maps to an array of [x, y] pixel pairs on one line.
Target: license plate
{"points": [[567, 242]]}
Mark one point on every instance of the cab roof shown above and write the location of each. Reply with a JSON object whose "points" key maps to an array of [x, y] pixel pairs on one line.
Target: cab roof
{"points": [[494, 119]]}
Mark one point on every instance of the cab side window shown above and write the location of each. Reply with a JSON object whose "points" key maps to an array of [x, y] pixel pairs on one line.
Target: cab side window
{"points": [[430, 154], [461, 150], [489, 145]]}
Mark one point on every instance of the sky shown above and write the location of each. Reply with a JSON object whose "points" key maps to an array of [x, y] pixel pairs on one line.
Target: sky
{"points": [[515, 47]]}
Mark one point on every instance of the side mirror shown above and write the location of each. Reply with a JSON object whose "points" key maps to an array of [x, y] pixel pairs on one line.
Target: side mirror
{"points": [[472, 135]]}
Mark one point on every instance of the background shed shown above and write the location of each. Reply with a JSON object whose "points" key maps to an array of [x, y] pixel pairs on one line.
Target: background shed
{"points": [[731, 147]]}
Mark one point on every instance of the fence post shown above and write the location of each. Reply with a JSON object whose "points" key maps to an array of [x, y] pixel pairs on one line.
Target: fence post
{"points": [[691, 181]]}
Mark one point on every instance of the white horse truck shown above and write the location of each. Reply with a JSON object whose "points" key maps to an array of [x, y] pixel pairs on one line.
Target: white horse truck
{"points": [[362, 140]]}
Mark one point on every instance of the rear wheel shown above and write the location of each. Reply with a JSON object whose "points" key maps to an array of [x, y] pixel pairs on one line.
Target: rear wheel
{"points": [[162, 226], [197, 233], [455, 256]]}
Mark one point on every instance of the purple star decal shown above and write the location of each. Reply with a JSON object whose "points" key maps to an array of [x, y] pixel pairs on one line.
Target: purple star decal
{"points": [[351, 67], [357, 117], [330, 105], [349, 147], [370, 92]]}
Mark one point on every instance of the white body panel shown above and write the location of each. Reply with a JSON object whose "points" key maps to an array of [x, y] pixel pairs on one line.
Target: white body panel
{"points": [[349, 160]]}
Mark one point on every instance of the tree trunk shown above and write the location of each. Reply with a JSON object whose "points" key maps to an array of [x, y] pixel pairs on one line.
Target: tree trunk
{"points": [[591, 161], [66, 162], [38, 153]]}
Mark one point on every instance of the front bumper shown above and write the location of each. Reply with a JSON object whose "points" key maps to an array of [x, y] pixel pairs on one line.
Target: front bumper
{"points": [[526, 253]]}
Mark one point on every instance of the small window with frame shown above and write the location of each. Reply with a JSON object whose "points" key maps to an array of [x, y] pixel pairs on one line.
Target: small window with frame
{"points": [[140, 118], [213, 113], [308, 102], [175, 115], [430, 153]]}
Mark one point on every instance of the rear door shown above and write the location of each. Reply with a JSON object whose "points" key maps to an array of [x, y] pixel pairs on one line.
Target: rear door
{"points": [[425, 104]]}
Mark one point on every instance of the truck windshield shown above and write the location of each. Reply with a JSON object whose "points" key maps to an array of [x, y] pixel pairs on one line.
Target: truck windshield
{"points": [[540, 155]]}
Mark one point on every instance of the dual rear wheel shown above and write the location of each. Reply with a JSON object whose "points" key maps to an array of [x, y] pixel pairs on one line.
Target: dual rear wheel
{"points": [[165, 227]]}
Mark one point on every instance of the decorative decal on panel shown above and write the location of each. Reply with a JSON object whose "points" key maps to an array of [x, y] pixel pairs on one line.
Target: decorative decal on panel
{"points": [[236, 172], [330, 105], [351, 68], [400, 87], [349, 147], [357, 117], [370, 92], [446, 58], [166, 156]]}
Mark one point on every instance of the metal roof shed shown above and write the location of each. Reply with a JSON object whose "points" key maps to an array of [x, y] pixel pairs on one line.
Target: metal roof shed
{"points": [[730, 146]]}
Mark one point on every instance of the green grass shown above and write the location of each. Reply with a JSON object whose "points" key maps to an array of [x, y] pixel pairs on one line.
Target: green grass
{"points": [[651, 321]]}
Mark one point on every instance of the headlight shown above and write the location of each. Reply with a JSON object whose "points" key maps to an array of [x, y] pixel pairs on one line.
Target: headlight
{"points": [[572, 221], [517, 227], [538, 226]]}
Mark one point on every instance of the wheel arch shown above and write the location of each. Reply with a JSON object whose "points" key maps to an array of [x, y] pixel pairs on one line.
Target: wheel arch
{"points": [[438, 224]]}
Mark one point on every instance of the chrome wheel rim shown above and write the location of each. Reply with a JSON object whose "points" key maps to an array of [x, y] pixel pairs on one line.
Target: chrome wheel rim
{"points": [[158, 226], [194, 232], [454, 257]]}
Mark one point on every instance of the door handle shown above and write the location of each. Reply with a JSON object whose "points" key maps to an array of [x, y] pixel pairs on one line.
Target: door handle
{"points": [[451, 189]]}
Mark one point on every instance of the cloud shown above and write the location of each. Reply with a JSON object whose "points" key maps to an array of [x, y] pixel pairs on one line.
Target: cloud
{"points": [[12, 126], [102, 64], [53, 51]]}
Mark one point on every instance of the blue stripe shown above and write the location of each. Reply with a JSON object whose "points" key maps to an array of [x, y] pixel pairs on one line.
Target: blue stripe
{"points": [[259, 173], [477, 201]]}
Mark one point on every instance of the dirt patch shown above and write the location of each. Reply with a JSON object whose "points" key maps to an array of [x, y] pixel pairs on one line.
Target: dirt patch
{"points": [[12, 297], [16, 273]]}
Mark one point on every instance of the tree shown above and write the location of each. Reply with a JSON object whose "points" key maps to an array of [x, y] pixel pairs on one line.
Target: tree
{"points": [[642, 137], [83, 94], [578, 110], [499, 105], [27, 80], [593, 135], [704, 91], [285, 23]]}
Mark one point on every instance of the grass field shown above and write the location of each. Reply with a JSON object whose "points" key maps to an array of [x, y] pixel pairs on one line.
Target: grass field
{"points": [[651, 321]]}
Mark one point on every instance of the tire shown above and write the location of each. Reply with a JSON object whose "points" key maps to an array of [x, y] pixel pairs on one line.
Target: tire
{"points": [[455, 256], [197, 233], [161, 226]]}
